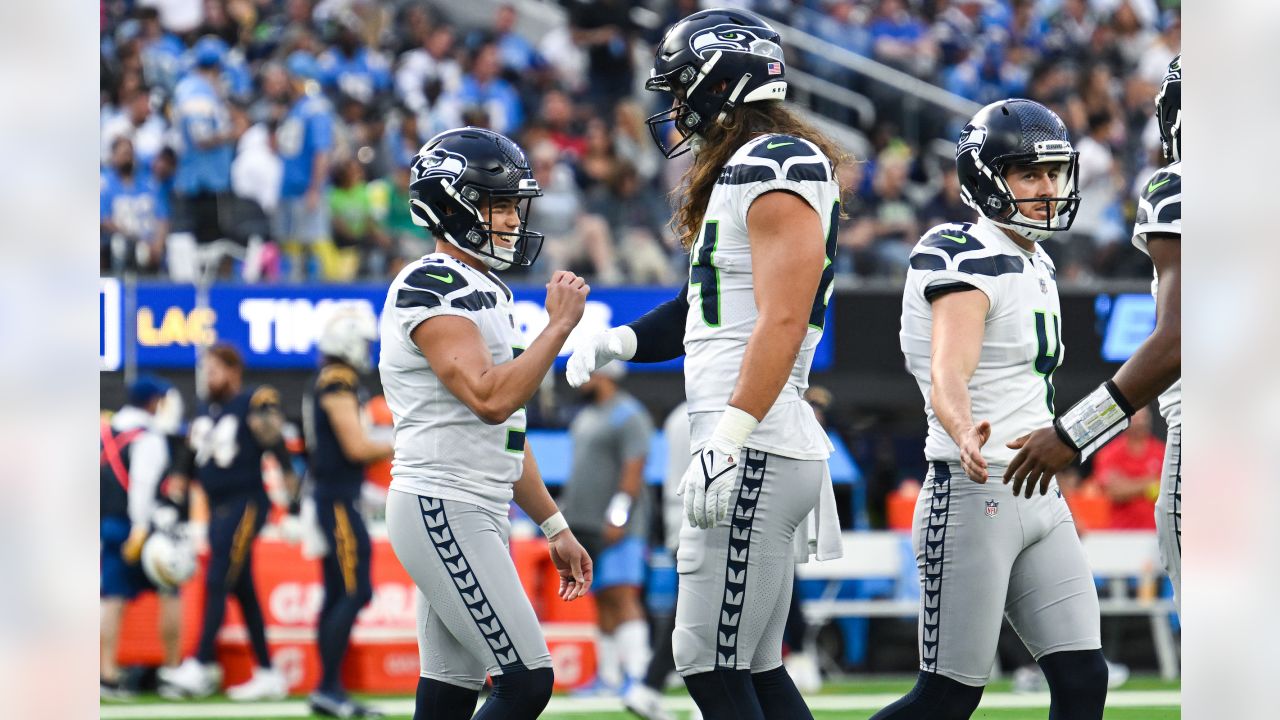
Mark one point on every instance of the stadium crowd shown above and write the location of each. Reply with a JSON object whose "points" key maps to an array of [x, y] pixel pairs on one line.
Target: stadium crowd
{"points": [[288, 126]]}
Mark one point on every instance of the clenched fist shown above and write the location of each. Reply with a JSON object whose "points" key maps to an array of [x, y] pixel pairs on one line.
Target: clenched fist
{"points": [[566, 299]]}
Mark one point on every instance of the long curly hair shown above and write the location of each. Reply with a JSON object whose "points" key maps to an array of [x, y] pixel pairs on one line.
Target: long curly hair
{"points": [[720, 141]]}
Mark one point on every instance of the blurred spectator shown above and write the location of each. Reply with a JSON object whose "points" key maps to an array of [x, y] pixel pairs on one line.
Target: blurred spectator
{"points": [[135, 121], [897, 229], [1098, 227], [899, 39], [177, 16], [1127, 471], [304, 141], [483, 88], [407, 241], [605, 30], [632, 142], [433, 63], [159, 51], [349, 67], [1070, 29], [574, 239], [357, 229], [636, 219], [946, 206], [515, 52], [1156, 58], [857, 228], [206, 144], [562, 127], [134, 220], [606, 502]]}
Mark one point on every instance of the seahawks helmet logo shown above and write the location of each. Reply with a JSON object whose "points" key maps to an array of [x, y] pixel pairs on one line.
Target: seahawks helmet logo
{"points": [[734, 38], [973, 138], [439, 163]]}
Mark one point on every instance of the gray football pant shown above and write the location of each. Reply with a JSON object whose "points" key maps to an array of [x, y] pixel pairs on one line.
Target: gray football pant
{"points": [[735, 578], [473, 616], [1169, 512], [983, 552]]}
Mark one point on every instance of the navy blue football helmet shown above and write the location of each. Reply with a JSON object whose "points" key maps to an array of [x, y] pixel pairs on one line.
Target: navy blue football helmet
{"points": [[459, 172], [1169, 111], [1017, 132], [712, 61]]}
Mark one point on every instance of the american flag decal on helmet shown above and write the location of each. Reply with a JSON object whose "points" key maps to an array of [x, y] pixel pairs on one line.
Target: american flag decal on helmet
{"points": [[774, 68]]}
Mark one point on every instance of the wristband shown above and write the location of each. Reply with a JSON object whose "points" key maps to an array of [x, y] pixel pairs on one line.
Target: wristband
{"points": [[619, 510], [553, 525], [627, 340], [1093, 421], [734, 428]]}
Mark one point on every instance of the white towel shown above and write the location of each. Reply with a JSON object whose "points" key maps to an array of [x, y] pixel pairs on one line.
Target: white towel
{"points": [[819, 535]]}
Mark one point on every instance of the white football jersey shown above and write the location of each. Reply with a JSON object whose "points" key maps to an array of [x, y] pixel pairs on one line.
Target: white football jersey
{"points": [[1022, 342], [722, 306], [1160, 211], [441, 448]]}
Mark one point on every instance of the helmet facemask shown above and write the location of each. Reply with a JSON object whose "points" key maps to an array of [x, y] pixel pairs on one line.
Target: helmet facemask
{"points": [[1005, 209], [469, 228]]}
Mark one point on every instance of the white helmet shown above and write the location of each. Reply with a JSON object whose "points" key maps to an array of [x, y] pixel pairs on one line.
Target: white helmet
{"points": [[168, 559], [347, 334]]}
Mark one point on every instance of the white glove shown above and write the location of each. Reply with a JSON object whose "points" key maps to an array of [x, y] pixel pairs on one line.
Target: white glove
{"points": [[598, 350], [707, 486]]}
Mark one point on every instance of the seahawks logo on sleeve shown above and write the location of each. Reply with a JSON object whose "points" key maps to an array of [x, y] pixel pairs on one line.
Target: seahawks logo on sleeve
{"points": [[953, 247], [435, 284], [776, 157], [1160, 202]]}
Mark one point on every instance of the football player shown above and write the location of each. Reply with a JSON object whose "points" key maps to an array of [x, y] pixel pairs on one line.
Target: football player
{"points": [[232, 431], [456, 380], [339, 450], [981, 334], [1155, 369], [758, 212], [134, 458]]}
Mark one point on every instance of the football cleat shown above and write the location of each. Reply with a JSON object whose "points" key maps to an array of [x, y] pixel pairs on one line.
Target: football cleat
{"points": [[266, 684]]}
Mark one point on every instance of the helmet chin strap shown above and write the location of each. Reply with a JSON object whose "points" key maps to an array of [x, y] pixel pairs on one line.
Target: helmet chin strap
{"points": [[1037, 235]]}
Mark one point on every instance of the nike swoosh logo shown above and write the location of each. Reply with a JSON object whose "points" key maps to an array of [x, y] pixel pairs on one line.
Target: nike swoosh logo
{"points": [[960, 240], [772, 145], [1153, 186], [446, 279]]}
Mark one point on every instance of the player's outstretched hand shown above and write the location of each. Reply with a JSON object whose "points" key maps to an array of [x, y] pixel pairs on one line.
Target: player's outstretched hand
{"points": [[971, 442], [573, 564], [596, 352], [566, 299], [707, 486], [1041, 454]]}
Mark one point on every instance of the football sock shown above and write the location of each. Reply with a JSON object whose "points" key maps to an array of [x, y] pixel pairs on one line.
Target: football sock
{"points": [[662, 663], [609, 670], [518, 695], [335, 634], [1077, 684], [934, 698], [632, 642], [725, 695], [439, 700], [778, 696]]}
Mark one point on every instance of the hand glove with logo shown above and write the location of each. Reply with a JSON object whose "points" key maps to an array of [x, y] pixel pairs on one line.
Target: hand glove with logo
{"points": [[707, 486], [615, 344]]}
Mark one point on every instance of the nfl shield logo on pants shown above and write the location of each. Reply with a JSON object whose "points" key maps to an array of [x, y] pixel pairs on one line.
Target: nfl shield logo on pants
{"points": [[993, 507]]}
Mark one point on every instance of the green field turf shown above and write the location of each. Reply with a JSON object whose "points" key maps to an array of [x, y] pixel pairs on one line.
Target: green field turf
{"points": [[842, 701]]}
